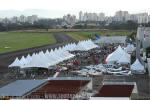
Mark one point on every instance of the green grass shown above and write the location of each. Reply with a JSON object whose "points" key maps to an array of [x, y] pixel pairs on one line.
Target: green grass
{"points": [[12, 41], [84, 35]]}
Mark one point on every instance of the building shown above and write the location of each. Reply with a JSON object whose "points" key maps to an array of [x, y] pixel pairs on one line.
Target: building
{"points": [[6, 20], [108, 20], [53, 88], [142, 18], [122, 16], [22, 19], [85, 17], [142, 43], [32, 19], [143, 38], [70, 19], [20, 88], [133, 17], [91, 16], [116, 91], [15, 19], [80, 16], [101, 17]]}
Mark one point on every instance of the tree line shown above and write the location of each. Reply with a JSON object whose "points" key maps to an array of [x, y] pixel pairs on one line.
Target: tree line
{"points": [[57, 23]]}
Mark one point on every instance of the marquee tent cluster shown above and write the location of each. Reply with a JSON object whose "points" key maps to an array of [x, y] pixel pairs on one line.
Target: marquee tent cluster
{"points": [[43, 60], [118, 56], [47, 59], [81, 46]]}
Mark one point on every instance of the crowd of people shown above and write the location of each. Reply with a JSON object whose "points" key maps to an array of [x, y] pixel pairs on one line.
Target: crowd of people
{"points": [[83, 58]]}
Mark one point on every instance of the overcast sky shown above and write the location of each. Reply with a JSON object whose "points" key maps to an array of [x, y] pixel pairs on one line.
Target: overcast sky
{"points": [[74, 6]]}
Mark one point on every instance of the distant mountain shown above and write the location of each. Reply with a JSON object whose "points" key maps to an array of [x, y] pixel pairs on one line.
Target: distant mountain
{"points": [[39, 12]]}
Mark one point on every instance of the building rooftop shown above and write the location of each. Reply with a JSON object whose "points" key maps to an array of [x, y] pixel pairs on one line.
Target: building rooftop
{"points": [[20, 87], [59, 89], [115, 91]]}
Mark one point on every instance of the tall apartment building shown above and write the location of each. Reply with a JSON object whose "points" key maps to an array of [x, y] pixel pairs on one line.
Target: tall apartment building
{"points": [[6, 20], [91, 16], [32, 19], [133, 17], [70, 19], [101, 17], [142, 18], [22, 19], [122, 16], [80, 16], [15, 19]]}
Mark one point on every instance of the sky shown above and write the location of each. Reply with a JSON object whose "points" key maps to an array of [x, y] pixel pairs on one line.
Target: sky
{"points": [[57, 8]]}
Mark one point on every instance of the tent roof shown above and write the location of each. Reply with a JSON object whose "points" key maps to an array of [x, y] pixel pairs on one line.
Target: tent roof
{"points": [[130, 48], [124, 58], [112, 39], [137, 65], [118, 55], [15, 63]]}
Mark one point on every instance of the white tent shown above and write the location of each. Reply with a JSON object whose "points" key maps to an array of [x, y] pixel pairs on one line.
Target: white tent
{"points": [[36, 61], [85, 45], [118, 56], [111, 39], [137, 67], [15, 63], [43, 60], [124, 59], [53, 57], [28, 58], [23, 61], [129, 48]]}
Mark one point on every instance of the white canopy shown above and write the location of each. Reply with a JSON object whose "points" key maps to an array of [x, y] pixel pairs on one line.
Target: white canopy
{"points": [[15, 63], [137, 67], [124, 59], [118, 56], [130, 48], [53, 57], [111, 39], [85, 45], [43, 60]]}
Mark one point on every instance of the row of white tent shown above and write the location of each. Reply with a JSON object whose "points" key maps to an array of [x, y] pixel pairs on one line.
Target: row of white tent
{"points": [[118, 56], [47, 59], [81, 46], [43, 60]]}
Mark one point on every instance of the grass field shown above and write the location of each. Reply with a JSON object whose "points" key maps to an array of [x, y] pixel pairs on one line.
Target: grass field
{"points": [[18, 40], [84, 35], [12, 41]]}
